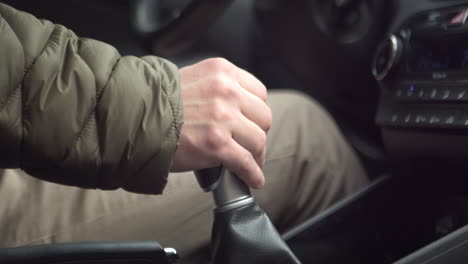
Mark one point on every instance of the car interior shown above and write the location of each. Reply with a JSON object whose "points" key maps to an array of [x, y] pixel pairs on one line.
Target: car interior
{"points": [[392, 73]]}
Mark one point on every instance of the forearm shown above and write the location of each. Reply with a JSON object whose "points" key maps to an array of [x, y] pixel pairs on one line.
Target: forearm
{"points": [[73, 111]]}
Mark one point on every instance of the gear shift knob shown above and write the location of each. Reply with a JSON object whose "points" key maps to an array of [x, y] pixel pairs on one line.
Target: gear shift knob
{"points": [[228, 190], [208, 178]]}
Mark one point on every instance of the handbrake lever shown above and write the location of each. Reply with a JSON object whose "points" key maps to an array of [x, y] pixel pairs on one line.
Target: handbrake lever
{"points": [[242, 232]]}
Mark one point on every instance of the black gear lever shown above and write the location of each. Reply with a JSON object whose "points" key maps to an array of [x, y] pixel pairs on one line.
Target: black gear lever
{"points": [[242, 232]]}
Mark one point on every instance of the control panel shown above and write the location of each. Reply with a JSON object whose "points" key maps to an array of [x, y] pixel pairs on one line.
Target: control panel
{"points": [[426, 106], [422, 70]]}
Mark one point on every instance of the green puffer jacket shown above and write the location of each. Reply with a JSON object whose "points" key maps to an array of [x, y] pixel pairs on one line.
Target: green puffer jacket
{"points": [[73, 111]]}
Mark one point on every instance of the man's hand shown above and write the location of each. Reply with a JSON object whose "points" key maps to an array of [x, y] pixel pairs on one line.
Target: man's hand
{"points": [[225, 120]]}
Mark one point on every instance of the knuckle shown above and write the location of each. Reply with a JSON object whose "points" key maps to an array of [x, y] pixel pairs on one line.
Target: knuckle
{"points": [[219, 112], [232, 92], [218, 84], [222, 86], [218, 64], [216, 138]]}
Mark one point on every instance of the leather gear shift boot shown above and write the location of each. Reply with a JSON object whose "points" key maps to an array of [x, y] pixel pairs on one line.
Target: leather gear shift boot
{"points": [[242, 232], [246, 235]]}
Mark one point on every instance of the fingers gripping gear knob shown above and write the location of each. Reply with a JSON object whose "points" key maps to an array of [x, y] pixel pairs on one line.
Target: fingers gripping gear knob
{"points": [[242, 232]]}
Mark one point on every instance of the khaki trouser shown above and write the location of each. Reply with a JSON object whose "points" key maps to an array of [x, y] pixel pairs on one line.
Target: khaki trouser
{"points": [[309, 167]]}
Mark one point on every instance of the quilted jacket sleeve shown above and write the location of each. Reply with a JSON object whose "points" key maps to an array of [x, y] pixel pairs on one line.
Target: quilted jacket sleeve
{"points": [[73, 111]]}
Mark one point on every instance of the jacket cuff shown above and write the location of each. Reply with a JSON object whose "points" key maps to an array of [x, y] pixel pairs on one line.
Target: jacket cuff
{"points": [[158, 167]]}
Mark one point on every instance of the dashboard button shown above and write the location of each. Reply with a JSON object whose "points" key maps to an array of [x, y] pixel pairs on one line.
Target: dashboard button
{"points": [[449, 120], [433, 94], [434, 120], [420, 119], [445, 94], [461, 94], [407, 119], [410, 93], [421, 93]]}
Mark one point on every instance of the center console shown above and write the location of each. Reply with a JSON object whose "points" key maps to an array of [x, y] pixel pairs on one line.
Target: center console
{"points": [[419, 213]]}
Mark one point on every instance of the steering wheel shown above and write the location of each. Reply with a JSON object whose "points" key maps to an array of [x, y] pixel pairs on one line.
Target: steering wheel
{"points": [[181, 32]]}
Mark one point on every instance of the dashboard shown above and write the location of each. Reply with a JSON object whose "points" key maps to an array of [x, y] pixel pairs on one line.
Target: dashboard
{"points": [[422, 70]]}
